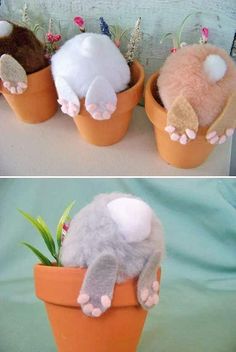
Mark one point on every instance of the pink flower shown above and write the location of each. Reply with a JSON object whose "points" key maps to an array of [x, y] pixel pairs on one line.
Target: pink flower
{"points": [[52, 38], [205, 34], [80, 22], [57, 37]]}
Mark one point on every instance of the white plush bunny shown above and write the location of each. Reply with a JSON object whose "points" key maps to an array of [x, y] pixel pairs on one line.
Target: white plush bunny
{"points": [[91, 66]]}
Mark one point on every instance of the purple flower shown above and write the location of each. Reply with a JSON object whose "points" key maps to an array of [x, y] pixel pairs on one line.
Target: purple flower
{"points": [[104, 27]]}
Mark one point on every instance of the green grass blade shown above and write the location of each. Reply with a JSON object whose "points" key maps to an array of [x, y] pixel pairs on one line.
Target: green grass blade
{"points": [[62, 220], [41, 230], [166, 35], [181, 28], [48, 232], [44, 260]]}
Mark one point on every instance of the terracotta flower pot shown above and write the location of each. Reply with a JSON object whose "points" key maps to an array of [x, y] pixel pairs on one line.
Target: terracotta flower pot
{"points": [[185, 156], [110, 131], [116, 330], [39, 102]]}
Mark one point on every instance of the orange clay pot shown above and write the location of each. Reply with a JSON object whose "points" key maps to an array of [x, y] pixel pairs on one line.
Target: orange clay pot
{"points": [[185, 156], [117, 330], [39, 102], [107, 132]]}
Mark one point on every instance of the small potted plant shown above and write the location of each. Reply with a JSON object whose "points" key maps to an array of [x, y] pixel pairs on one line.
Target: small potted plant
{"points": [[91, 304], [25, 73], [96, 86], [191, 101]]}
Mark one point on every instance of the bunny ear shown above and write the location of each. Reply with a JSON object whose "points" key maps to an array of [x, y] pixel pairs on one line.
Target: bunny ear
{"points": [[227, 118], [182, 115], [133, 218]]}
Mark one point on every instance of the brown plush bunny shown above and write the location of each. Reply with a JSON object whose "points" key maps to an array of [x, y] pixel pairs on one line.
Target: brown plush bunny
{"points": [[21, 53]]}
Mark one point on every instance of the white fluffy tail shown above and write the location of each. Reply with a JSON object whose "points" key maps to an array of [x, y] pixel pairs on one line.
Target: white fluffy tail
{"points": [[133, 218], [5, 28], [90, 46], [215, 67]]}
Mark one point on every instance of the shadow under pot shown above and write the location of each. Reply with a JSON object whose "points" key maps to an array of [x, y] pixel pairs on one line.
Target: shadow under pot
{"points": [[39, 101], [108, 132], [118, 329], [185, 156]]}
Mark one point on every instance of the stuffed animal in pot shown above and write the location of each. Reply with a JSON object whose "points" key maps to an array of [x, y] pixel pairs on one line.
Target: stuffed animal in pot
{"points": [[197, 85], [90, 66], [21, 53], [116, 237]]}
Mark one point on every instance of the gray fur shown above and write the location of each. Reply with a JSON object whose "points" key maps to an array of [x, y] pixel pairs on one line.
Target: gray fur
{"points": [[92, 233]]}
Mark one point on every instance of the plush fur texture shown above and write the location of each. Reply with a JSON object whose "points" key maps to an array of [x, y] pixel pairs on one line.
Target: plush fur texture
{"points": [[89, 65], [183, 74], [109, 248], [24, 47], [93, 231]]}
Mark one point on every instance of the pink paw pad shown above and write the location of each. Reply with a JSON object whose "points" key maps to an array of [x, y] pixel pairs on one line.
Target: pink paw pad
{"points": [[91, 107], [155, 286], [96, 312], [222, 139], [149, 302], [110, 107], [211, 135], [170, 129], [190, 133], [106, 302], [214, 140], [144, 294], [83, 298], [88, 308], [229, 132], [183, 139], [175, 137]]}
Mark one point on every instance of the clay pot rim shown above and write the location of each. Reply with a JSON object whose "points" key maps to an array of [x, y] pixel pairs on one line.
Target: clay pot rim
{"points": [[139, 81], [124, 293], [159, 109]]}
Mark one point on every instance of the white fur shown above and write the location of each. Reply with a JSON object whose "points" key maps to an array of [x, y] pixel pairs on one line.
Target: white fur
{"points": [[215, 67], [5, 28], [81, 59], [133, 218]]}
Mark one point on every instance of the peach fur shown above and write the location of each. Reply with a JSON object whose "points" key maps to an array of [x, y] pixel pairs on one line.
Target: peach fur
{"points": [[182, 73]]}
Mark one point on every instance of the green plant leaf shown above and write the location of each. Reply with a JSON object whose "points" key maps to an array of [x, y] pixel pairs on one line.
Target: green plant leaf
{"points": [[166, 35], [62, 220], [181, 28], [44, 260], [41, 230], [48, 232]]}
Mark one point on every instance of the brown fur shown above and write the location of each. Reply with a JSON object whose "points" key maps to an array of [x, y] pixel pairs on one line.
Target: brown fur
{"points": [[23, 45]]}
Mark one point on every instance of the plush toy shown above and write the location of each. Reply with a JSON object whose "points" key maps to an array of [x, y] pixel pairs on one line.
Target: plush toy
{"points": [[90, 66], [116, 237], [197, 85], [21, 53]]}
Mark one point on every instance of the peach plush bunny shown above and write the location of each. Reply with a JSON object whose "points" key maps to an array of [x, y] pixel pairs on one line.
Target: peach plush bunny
{"points": [[197, 85]]}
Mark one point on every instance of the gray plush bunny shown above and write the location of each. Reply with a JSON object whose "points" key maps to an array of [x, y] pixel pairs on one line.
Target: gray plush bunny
{"points": [[116, 237]]}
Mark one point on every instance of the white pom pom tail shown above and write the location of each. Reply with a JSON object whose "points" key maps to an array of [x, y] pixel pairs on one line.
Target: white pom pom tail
{"points": [[215, 67], [133, 218], [5, 28]]}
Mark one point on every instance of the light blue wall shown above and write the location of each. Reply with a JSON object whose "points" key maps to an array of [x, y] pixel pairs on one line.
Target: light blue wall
{"points": [[158, 17]]}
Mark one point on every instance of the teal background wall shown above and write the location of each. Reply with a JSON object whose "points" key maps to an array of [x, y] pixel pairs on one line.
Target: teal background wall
{"points": [[158, 17], [197, 310]]}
